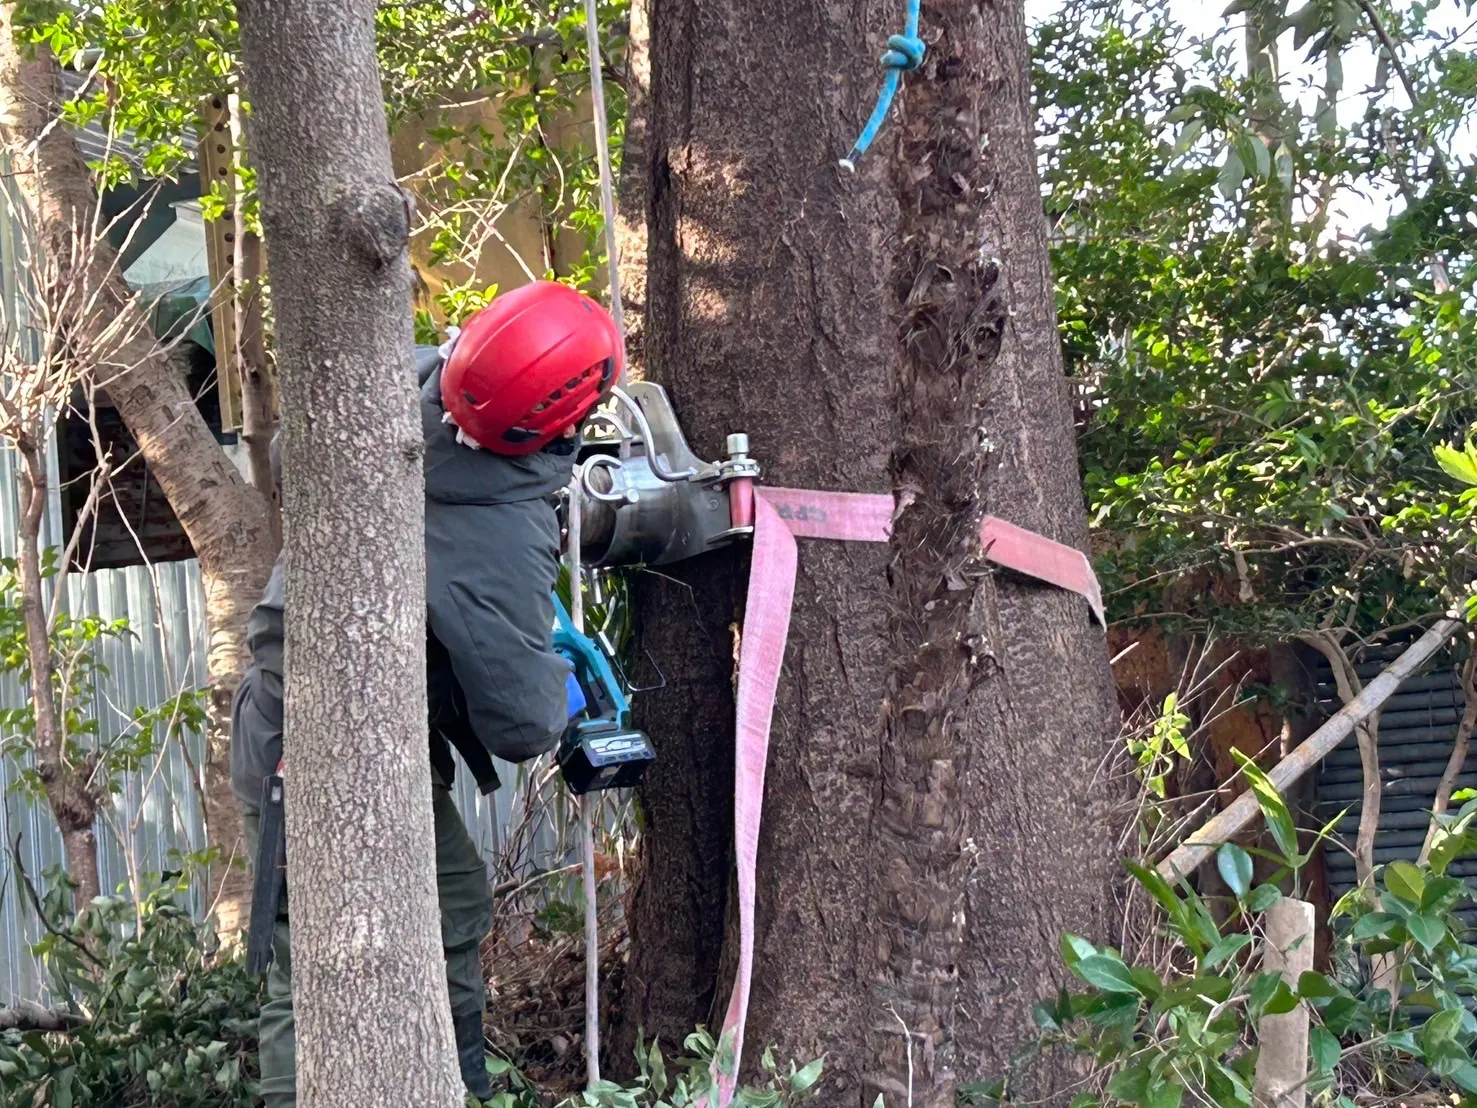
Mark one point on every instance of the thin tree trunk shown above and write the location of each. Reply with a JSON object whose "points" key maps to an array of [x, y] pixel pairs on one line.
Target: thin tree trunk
{"points": [[1458, 757], [73, 803], [258, 391], [1366, 732], [223, 517], [930, 818], [369, 982]]}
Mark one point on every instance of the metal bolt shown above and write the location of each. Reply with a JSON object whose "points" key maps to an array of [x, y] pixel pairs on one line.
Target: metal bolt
{"points": [[738, 445]]}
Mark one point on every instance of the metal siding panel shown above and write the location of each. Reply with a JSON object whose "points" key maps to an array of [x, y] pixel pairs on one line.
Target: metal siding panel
{"points": [[1413, 755]]}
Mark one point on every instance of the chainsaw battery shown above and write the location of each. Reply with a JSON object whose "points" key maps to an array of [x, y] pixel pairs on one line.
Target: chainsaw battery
{"points": [[599, 754]]}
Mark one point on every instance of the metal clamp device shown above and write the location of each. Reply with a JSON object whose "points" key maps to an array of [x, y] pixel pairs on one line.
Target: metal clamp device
{"points": [[646, 498]]}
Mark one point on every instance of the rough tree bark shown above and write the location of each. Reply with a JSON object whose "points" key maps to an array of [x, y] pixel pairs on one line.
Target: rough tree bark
{"points": [[369, 995], [225, 519], [930, 822]]}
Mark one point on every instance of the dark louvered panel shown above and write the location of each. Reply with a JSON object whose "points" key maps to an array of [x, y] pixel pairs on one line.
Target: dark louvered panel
{"points": [[1418, 729]]}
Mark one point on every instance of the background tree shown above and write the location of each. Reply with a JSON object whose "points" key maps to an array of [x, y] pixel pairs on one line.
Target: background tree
{"points": [[361, 871], [888, 333], [224, 518], [1260, 378]]}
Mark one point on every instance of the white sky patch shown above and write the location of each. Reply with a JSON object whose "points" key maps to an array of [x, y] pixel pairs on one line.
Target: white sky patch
{"points": [[1302, 80]]}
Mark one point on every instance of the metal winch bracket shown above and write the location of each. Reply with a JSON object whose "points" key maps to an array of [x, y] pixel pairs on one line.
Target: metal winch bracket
{"points": [[646, 498]]}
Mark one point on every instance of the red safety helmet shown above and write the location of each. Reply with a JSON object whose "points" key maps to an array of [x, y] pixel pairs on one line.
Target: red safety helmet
{"points": [[529, 366]]}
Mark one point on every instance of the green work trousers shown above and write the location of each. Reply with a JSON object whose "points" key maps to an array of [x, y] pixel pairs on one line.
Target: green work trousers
{"points": [[466, 917]]}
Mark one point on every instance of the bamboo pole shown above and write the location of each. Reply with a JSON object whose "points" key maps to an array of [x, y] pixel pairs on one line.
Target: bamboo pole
{"points": [[1187, 857]]}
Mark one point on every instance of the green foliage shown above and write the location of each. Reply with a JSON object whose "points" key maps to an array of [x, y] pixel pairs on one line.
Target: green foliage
{"points": [[688, 1079], [153, 64], [162, 1016], [1189, 1033], [1259, 394], [75, 645], [1156, 751]]}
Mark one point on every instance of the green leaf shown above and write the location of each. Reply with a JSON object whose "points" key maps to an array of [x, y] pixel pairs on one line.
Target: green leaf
{"points": [[1235, 866], [1130, 1083], [807, 1077], [1284, 1000], [1261, 156], [1159, 889], [1044, 1017], [1074, 949], [1314, 986], [1426, 929], [1105, 972], [1147, 981], [1440, 1028], [1271, 995], [1263, 897], [1405, 881], [1439, 889], [1233, 170], [1188, 134], [1465, 1077], [1460, 465], [1165, 1093], [1324, 1049], [1285, 168], [1274, 808], [1374, 925], [1228, 947]]}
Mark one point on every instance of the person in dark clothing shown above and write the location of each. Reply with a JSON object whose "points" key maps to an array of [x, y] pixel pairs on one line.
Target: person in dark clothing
{"points": [[498, 416]]}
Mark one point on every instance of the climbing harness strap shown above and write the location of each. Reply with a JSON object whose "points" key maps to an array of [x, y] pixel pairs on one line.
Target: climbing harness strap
{"points": [[904, 53], [780, 517]]}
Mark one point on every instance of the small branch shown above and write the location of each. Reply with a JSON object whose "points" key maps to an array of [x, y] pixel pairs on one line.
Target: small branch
{"points": [[1458, 757], [1346, 680], [27, 1015], [35, 898]]}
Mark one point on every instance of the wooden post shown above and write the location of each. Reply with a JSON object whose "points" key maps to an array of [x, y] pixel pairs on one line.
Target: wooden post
{"points": [[1282, 1063], [217, 167]]}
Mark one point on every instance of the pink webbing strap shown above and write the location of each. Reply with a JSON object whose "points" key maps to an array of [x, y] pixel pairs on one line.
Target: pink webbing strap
{"points": [[780, 516]]}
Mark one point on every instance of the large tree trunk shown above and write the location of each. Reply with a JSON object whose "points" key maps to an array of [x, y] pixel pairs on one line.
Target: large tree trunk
{"points": [[225, 519], [929, 822], [369, 987]]}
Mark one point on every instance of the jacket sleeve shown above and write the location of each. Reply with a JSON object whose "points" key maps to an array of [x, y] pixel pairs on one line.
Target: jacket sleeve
{"points": [[490, 570]]}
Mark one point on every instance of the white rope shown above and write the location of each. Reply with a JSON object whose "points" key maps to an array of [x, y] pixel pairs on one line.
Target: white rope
{"points": [[576, 599], [607, 185], [587, 818]]}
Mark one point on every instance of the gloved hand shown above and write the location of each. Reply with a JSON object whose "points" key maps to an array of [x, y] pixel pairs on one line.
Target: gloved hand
{"points": [[573, 694]]}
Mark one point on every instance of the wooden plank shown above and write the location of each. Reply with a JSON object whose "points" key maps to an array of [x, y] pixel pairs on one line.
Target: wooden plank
{"points": [[217, 159]]}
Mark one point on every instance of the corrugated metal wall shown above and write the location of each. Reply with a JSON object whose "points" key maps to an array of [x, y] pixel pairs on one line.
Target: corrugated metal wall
{"points": [[1418, 727], [157, 815]]}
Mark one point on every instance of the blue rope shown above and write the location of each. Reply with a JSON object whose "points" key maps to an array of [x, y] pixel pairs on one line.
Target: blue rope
{"points": [[904, 52]]}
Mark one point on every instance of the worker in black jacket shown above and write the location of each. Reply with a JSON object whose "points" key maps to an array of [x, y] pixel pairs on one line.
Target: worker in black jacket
{"points": [[499, 416]]}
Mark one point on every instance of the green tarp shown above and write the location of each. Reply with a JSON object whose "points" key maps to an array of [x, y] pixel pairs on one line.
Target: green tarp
{"points": [[181, 309]]}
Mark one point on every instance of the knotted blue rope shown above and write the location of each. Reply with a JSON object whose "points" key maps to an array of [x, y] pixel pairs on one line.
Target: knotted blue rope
{"points": [[904, 53]]}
